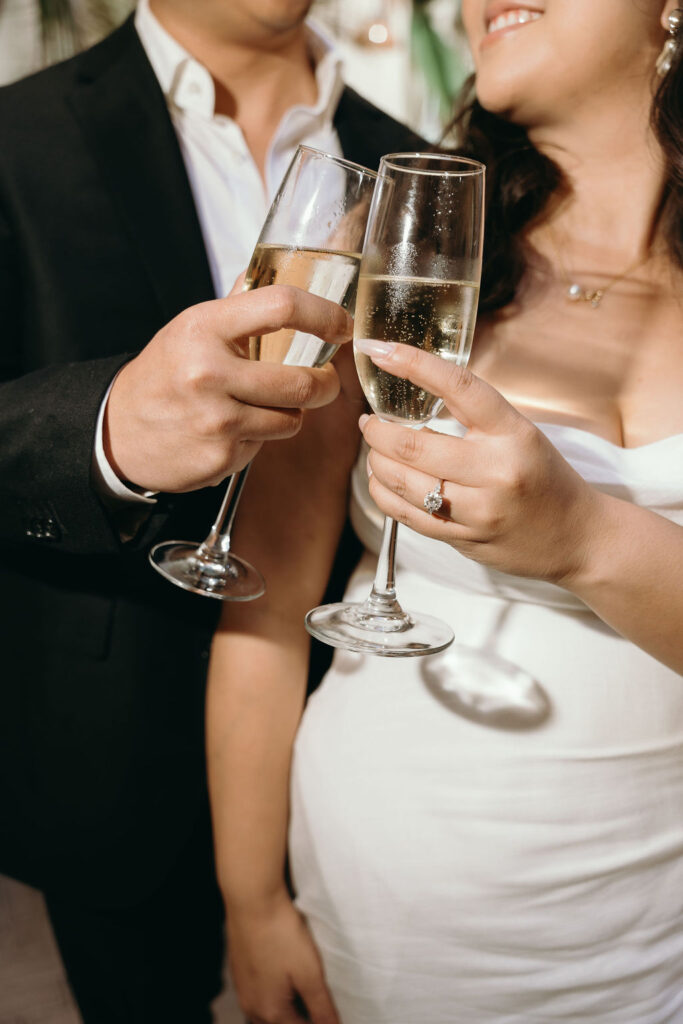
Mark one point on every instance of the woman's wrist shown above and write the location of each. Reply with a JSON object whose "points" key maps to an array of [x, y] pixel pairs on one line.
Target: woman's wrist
{"points": [[256, 903], [594, 553], [587, 542]]}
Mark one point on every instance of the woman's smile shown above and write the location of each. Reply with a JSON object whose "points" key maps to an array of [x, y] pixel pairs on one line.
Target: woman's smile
{"points": [[502, 18]]}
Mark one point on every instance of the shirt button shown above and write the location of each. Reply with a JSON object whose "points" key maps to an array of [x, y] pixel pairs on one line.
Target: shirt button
{"points": [[194, 88]]}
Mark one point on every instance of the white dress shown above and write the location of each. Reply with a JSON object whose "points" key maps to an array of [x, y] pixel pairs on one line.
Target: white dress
{"points": [[459, 872]]}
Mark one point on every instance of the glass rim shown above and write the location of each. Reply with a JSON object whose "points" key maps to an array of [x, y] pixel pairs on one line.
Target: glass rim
{"points": [[338, 160], [476, 167]]}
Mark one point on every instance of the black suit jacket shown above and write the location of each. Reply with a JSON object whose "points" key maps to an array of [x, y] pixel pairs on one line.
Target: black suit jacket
{"points": [[102, 663]]}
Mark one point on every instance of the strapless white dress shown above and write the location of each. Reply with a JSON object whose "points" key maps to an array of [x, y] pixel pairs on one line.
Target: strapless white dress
{"points": [[459, 872]]}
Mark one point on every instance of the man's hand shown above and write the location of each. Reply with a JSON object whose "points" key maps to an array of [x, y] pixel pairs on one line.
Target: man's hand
{"points": [[191, 408]]}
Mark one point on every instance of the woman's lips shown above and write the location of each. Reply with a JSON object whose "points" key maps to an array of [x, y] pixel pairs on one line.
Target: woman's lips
{"points": [[508, 21]]}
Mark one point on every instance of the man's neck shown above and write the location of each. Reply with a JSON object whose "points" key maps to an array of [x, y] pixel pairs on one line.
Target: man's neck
{"points": [[256, 79]]}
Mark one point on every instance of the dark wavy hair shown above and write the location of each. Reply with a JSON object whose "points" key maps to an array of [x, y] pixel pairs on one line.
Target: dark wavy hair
{"points": [[521, 181]]}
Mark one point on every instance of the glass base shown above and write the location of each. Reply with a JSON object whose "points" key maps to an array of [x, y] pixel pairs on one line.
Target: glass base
{"points": [[355, 627], [227, 579]]}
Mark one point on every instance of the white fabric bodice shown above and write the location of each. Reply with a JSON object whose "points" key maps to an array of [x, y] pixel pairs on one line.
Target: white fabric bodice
{"points": [[459, 871]]}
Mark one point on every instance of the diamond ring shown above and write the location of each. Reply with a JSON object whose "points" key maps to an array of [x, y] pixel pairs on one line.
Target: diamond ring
{"points": [[433, 500]]}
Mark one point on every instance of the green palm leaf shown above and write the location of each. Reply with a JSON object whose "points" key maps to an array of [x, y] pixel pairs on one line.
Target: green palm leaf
{"points": [[438, 63]]}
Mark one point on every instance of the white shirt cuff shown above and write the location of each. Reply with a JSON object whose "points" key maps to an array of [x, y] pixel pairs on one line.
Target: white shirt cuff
{"points": [[106, 482]]}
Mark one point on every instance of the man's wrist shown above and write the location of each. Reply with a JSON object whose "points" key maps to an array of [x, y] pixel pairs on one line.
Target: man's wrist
{"points": [[111, 488]]}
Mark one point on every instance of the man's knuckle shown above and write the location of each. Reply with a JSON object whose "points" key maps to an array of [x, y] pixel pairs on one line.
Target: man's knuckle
{"points": [[196, 375], [208, 423], [285, 302], [186, 321], [282, 424], [195, 324], [341, 324], [303, 390], [516, 481], [216, 462]]}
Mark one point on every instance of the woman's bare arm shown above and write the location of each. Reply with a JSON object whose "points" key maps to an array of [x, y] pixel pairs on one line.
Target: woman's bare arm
{"points": [[289, 524]]}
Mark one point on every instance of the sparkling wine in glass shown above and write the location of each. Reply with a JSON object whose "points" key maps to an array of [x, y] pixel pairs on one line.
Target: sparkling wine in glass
{"points": [[419, 285], [330, 273], [311, 238], [435, 315]]}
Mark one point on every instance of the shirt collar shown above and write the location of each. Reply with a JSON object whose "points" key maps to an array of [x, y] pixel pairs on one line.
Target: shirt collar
{"points": [[188, 85], [328, 71]]}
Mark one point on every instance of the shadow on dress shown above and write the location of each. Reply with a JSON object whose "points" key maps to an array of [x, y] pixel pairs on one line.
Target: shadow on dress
{"points": [[480, 685]]}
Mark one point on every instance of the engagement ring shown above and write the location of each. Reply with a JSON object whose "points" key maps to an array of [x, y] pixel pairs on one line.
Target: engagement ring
{"points": [[433, 500]]}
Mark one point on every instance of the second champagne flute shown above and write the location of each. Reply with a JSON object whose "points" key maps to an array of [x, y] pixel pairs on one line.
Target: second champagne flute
{"points": [[419, 285], [311, 238]]}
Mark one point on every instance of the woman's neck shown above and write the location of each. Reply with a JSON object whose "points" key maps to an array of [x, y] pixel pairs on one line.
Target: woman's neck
{"points": [[616, 174]]}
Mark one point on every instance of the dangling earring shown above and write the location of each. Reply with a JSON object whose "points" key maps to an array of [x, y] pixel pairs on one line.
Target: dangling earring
{"points": [[666, 57]]}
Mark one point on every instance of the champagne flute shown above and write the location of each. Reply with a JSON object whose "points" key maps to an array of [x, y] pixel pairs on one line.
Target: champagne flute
{"points": [[419, 285], [311, 238]]}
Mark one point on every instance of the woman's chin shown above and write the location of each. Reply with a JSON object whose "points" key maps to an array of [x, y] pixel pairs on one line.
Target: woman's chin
{"points": [[519, 89], [509, 102], [500, 104], [496, 94]]}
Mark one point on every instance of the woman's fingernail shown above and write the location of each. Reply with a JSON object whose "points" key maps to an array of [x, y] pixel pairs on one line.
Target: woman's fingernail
{"points": [[368, 468], [375, 349], [363, 420]]}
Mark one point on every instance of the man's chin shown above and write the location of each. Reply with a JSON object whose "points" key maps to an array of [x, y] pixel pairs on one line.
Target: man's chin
{"points": [[280, 16]]}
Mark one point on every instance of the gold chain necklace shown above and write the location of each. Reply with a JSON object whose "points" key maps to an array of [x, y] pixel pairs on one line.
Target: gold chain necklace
{"points": [[593, 296]]}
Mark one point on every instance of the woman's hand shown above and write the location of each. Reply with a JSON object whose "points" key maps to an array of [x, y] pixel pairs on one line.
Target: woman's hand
{"points": [[276, 968], [510, 501]]}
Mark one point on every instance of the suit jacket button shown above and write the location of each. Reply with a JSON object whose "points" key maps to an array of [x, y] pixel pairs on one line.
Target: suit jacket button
{"points": [[51, 530]]}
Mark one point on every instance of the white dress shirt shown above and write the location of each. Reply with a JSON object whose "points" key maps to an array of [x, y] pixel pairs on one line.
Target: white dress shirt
{"points": [[230, 196]]}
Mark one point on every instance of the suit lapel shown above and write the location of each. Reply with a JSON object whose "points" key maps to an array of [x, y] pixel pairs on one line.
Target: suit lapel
{"points": [[366, 133], [122, 113]]}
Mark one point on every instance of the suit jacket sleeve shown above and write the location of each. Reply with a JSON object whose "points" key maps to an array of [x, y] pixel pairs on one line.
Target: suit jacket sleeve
{"points": [[47, 426], [91, 266]]}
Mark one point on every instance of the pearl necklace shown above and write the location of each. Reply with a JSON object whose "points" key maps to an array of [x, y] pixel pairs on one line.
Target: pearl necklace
{"points": [[593, 296], [575, 293]]}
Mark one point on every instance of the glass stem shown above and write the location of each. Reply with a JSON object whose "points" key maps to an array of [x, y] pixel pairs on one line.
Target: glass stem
{"points": [[217, 544], [382, 599]]}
